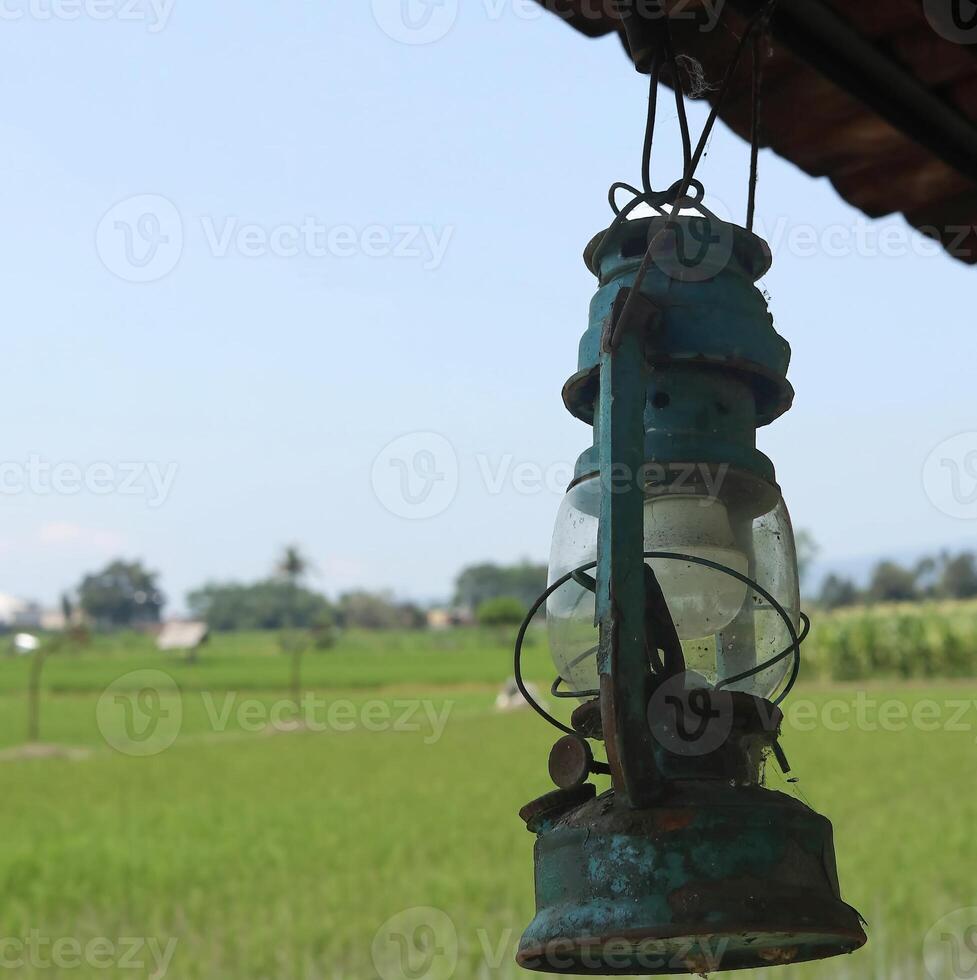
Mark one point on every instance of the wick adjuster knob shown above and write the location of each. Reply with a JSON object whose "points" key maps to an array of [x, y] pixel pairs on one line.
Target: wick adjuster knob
{"points": [[571, 762]]}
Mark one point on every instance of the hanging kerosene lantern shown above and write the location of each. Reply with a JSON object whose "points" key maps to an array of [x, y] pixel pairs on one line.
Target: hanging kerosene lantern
{"points": [[674, 618]]}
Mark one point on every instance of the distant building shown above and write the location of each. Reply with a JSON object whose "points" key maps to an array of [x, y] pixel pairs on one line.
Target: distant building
{"points": [[438, 619], [53, 621], [445, 619], [19, 613], [181, 635]]}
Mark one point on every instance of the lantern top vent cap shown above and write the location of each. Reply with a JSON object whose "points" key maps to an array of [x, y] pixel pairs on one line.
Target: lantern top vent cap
{"points": [[731, 247]]}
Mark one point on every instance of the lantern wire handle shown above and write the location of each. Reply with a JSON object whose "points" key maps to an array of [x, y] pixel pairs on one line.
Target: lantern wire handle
{"points": [[665, 53], [755, 130], [683, 119], [656, 67], [756, 24], [577, 575], [760, 35]]}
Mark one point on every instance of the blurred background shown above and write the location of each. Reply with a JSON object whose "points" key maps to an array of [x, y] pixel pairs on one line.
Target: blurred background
{"points": [[290, 299]]}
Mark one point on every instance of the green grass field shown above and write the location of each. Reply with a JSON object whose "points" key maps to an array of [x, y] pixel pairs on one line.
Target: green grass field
{"points": [[269, 853]]}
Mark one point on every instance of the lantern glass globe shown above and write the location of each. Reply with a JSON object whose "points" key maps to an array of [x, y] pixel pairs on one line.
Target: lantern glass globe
{"points": [[725, 627], [701, 600]]}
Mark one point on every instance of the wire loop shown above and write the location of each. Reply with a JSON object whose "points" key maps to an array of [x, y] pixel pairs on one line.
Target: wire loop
{"points": [[793, 648], [756, 27]]}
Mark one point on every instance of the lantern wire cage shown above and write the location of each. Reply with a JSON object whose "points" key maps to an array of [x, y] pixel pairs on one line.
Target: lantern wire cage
{"points": [[579, 575]]}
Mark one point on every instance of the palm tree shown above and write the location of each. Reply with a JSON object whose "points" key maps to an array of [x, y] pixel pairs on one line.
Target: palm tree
{"points": [[40, 650], [38, 655], [292, 567]]}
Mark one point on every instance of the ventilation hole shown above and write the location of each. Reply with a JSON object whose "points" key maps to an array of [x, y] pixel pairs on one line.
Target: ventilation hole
{"points": [[661, 399], [633, 247]]}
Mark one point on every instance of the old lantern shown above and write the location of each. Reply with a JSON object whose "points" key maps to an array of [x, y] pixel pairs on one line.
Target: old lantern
{"points": [[674, 619]]}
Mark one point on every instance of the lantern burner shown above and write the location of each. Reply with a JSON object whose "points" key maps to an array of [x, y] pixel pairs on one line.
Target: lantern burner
{"points": [[713, 878]]}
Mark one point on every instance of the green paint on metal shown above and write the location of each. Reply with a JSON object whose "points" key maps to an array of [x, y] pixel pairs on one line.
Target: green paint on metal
{"points": [[719, 367], [622, 661]]}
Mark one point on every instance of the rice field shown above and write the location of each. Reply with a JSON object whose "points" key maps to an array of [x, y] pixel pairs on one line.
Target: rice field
{"points": [[209, 831]]}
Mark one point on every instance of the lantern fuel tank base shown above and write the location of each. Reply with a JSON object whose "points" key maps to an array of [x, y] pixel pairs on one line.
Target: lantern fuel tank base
{"points": [[715, 878]]}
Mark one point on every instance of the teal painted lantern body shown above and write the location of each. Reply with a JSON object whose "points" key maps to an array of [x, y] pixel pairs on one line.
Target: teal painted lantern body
{"points": [[715, 372], [678, 645]]}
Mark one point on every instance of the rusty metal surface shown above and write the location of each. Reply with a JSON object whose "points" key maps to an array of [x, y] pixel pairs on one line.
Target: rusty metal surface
{"points": [[882, 146], [712, 878], [587, 721], [553, 805], [571, 761]]}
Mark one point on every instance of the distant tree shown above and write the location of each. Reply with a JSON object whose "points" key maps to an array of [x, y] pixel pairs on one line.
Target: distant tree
{"points": [[502, 611], [67, 609], [34, 693], [378, 611], [943, 576], [892, 583], [323, 635], [294, 643], [121, 594], [958, 577], [411, 616], [837, 591], [39, 657], [807, 552], [479, 583], [291, 568], [928, 571], [272, 604]]}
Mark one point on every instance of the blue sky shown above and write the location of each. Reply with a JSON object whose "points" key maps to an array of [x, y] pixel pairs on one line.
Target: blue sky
{"points": [[244, 396]]}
